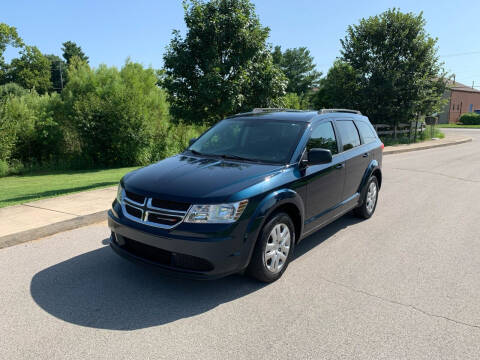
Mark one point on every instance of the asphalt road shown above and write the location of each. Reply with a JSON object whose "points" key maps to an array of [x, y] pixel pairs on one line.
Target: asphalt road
{"points": [[402, 285]]}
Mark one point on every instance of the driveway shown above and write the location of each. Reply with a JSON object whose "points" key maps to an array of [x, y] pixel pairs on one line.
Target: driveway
{"points": [[403, 285]]}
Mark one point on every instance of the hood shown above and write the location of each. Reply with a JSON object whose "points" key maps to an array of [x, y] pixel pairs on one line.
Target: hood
{"points": [[191, 179]]}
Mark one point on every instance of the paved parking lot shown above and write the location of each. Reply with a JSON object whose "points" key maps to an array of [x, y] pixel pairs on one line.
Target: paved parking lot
{"points": [[402, 285]]}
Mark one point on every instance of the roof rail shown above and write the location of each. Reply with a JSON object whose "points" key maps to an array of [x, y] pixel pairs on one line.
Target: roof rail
{"points": [[326, 111], [259, 110]]}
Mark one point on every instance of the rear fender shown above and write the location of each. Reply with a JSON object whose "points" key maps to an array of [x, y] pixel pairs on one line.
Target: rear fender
{"points": [[373, 166]]}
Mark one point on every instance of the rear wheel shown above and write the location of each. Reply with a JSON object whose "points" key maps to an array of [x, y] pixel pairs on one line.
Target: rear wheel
{"points": [[369, 201], [273, 249]]}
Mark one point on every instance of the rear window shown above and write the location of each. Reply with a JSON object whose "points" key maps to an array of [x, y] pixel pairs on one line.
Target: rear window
{"points": [[366, 132], [348, 134]]}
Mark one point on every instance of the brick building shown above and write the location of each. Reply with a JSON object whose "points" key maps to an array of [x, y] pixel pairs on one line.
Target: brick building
{"points": [[461, 99]]}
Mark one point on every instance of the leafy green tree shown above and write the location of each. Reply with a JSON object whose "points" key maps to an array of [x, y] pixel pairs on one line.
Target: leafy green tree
{"points": [[277, 55], [299, 68], [223, 64], [297, 102], [339, 89], [71, 49], [396, 65], [58, 72], [31, 70], [8, 37]]}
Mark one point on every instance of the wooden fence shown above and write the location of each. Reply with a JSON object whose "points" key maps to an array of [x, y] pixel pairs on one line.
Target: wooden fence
{"points": [[402, 128]]}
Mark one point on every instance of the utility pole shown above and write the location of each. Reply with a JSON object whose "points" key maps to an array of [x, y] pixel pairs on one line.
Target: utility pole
{"points": [[61, 76]]}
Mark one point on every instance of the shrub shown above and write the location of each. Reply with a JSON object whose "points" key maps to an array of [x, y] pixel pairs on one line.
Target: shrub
{"points": [[114, 114], [170, 139], [470, 119], [33, 134], [3, 168], [12, 89], [8, 131]]}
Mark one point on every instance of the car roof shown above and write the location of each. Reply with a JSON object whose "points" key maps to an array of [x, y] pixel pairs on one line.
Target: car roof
{"points": [[307, 116], [296, 115]]}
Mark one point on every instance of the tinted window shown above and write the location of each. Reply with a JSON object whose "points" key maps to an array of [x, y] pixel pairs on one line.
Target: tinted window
{"points": [[253, 139], [348, 134], [323, 137], [366, 132]]}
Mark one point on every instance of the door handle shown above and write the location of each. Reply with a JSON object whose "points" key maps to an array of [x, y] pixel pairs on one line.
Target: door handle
{"points": [[339, 166], [365, 155]]}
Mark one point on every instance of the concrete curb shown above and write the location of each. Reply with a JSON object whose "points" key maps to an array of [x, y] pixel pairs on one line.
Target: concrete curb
{"points": [[432, 146], [79, 221], [51, 229]]}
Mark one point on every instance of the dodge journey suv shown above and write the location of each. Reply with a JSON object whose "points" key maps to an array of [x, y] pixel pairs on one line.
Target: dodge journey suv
{"points": [[242, 195]]}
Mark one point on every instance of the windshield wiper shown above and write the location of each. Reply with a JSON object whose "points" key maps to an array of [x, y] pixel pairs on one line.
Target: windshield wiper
{"points": [[235, 157], [195, 152]]}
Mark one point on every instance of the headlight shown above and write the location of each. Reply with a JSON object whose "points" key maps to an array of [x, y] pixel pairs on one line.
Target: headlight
{"points": [[120, 193], [222, 213]]}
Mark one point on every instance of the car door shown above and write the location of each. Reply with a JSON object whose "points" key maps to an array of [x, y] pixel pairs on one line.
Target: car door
{"points": [[324, 181], [356, 158]]}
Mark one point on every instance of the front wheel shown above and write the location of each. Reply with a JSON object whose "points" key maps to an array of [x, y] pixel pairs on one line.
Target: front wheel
{"points": [[274, 249], [369, 201]]}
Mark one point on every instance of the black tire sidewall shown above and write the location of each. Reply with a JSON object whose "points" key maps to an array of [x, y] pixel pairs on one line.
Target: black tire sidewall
{"points": [[257, 267], [364, 205]]}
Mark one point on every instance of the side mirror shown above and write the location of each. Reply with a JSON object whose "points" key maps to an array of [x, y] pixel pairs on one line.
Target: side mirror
{"points": [[191, 141], [319, 156]]}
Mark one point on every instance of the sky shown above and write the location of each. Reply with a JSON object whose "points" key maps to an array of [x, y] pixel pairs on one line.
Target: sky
{"points": [[110, 31]]}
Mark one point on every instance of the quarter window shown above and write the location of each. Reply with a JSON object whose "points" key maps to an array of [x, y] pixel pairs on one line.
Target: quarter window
{"points": [[323, 137], [366, 132], [348, 134]]}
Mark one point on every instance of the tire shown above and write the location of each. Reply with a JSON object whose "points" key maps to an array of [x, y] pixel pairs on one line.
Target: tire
{"points": [[366, 210], [267, 265]]}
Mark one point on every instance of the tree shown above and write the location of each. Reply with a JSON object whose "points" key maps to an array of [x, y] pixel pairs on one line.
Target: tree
{"points": [[58, 72], [297, 65], [399, 72], [8, 36], [294, 101], [70, 49], [339, 89], [31, 70], [223, 64]]}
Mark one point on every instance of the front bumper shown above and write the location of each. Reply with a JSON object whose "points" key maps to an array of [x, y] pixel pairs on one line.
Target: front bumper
{"points": [[180, 252]]}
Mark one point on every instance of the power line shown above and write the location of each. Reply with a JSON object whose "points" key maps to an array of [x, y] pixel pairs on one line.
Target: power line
{"points": [[461, 54]]}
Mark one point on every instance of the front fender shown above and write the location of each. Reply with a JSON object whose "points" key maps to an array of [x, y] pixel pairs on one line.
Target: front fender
{"points": [[264, 209], [270, 203]]}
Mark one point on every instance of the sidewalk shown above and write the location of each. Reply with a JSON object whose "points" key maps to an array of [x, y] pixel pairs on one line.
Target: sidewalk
{"points": [[430, 144], [36, 219]]}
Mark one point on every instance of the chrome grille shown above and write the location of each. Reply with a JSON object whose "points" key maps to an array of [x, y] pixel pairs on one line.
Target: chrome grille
{"points": [[146, 213]]}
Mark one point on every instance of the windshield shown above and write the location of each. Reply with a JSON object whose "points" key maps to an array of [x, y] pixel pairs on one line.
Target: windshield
{"points": [[271, 141]]}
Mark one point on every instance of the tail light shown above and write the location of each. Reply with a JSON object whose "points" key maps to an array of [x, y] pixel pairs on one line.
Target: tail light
{"points": [[382, 146]]}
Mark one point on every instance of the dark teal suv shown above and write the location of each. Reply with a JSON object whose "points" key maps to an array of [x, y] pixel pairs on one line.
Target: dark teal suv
{"points": [[243, 195]]}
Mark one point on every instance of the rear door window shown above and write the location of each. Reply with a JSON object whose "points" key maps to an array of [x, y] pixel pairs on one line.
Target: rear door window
{"points": [[366, 132], [348, 133], [323, 137]]}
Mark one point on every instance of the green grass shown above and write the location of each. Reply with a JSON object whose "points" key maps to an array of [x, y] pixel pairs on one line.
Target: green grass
{"points": [[458, 126], [35, 186]]}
